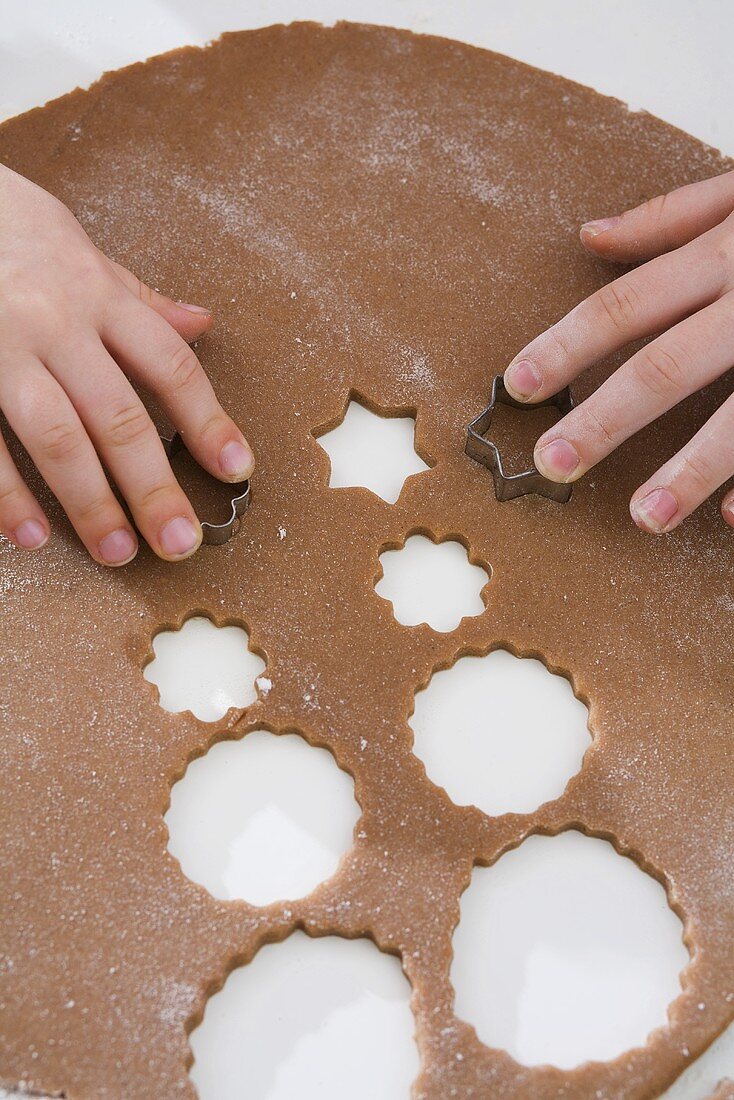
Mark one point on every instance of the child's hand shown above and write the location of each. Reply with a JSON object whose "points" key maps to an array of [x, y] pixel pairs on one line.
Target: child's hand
{"points": [[687, 294], [74, 327]]}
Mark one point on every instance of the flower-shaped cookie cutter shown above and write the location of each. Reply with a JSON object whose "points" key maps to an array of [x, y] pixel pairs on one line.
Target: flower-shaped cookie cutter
{"points": [[215, 534], [508, 486]]}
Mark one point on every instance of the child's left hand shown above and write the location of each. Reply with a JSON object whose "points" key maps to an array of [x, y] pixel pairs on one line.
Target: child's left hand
{"points": [[76, 329]]}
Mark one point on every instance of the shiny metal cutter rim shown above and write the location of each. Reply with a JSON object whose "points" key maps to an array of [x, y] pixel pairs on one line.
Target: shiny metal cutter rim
{"points": [[508, 486], [215, 534]]}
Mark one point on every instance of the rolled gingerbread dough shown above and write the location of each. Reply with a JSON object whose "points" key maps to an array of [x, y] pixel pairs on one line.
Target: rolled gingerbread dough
{"points": [[375, 213]]}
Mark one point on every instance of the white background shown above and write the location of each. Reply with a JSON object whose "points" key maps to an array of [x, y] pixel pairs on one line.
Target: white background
{"points": [[671, 57]]}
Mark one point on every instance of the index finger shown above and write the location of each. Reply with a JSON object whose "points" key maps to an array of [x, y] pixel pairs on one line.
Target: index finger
{"points": [[152, 353], [650, 298]]}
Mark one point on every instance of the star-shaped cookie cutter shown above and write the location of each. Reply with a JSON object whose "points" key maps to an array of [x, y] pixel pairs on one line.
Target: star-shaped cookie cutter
{"points": [[215, 534], [508, 486]]}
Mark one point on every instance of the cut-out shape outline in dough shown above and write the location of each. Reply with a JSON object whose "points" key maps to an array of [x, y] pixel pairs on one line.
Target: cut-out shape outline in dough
{"points": [[174, 626], [473, 559], [444, 669], [383, 412], [178, 842], [283, 936], [686, 975]]}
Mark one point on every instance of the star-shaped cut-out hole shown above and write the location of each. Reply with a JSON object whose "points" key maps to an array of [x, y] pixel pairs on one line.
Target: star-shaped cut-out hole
{"points": [[374, 451]]}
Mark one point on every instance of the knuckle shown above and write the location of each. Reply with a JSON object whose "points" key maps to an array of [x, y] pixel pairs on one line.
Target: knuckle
{"points": [[620, 303], [550, 349], [114, 300], [724, 249], [21, 299], [60, 442], [90, 265], [127, 426], [160, 496], [95, 507], [660, 369], [214, 425], [699, 473], [10, 495], [34, 315], [655, 208], [558, 340], [183, 368], [145, 294], [599, 425], [30, 408]]}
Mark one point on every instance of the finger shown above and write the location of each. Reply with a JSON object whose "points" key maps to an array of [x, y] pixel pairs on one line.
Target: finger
{"points": [[664, 372], [43, 418], [648, 299], [21, 518], [154, 356], [124, 436], [690, 477], [663, 223], [727, 508], [189, 321]]}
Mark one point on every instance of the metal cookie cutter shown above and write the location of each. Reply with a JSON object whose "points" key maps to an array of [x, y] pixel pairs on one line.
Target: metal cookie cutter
{"points": [[215, 534], [509, 486]]}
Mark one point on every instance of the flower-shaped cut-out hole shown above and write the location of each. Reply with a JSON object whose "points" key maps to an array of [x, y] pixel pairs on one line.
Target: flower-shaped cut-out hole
{"points": [[566, 952], [203, 668], [263, 818], [433, 583], [327, 1018], [376, 452], [500, 732]]}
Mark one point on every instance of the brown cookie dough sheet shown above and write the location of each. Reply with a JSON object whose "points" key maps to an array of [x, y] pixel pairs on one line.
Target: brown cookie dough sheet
{"points": [[373, 212]]}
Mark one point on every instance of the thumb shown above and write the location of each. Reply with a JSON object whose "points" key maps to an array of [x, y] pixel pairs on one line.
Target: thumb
{"points": [[189, 321]]}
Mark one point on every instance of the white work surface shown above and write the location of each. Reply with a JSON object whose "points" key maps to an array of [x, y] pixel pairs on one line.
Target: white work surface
{"points": [[671, 57]]}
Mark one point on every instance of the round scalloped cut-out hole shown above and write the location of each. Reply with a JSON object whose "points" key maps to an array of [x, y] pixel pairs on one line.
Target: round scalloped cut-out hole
{"points": [[433, 583], [566, 952], [328, 1018], [376, 452], [500, 732], [203, 668], [263, 818]]}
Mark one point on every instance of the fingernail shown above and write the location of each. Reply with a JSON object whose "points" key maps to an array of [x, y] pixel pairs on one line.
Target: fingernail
{"points": [[193, 309], [654, 511], [179, 537], [593, 229], [235, 460], [728, 512], [30, 534], [522, 379], [557, 460], [118, 548]]}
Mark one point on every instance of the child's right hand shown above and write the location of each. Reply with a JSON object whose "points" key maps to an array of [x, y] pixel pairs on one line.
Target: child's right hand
{"points": [[684, 297], [75, 327]]}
